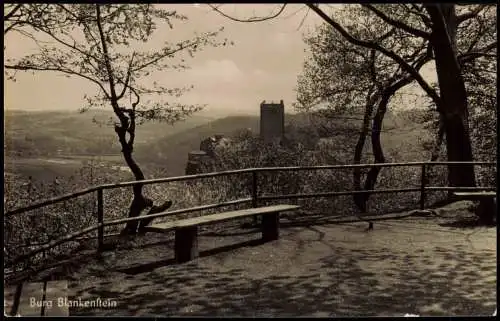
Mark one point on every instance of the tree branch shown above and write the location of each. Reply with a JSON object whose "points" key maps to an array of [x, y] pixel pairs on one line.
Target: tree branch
{"points": [[59, 69], [254, 19], [12, 12], [373, 69], [481, 32], [418, 11], [471, 14], [386, 35], [404, 65], [10, 15], [74, 47], [127, 79], [28, 35], [8, 28], [397, 23], [131, 129], [482, 52], [32, 21], [112, 89], [144, 65], [85, 25]]}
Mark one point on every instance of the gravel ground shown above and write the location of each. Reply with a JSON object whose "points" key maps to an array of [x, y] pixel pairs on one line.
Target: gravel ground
{"points": [[417, 265]]}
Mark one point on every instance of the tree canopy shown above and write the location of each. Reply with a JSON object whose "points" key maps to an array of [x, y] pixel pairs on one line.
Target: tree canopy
{"points": [[107, 44], [364, 54]]}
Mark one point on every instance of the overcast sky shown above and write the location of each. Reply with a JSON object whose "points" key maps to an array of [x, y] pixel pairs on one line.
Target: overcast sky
{"points": [[263, 64]]}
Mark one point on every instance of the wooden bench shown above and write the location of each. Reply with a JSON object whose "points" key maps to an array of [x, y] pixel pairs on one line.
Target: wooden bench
{"points": [[487, 203], [37, 299], [186, 230]]}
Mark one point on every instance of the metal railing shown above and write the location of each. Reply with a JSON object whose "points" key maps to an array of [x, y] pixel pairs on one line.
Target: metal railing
{"points": [[254, 199]]}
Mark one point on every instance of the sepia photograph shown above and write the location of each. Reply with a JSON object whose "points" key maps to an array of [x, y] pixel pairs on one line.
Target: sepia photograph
{"points": [[250, 160]]}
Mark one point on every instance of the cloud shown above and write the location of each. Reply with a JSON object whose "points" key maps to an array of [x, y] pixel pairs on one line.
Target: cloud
{"points": [[216, 71], [259, 73], [262, 64], [283, 40]]}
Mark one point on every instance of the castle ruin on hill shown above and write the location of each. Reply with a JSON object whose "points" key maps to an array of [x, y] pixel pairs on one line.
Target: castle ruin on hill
{"points": [[272, 127]]}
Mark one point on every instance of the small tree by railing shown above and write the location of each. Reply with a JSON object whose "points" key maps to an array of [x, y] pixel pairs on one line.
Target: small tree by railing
{"points": [[255, 198]]}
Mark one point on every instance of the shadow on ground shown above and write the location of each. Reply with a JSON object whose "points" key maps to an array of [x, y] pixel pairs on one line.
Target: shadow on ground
{"points": [[312, 271], [468, 223]]}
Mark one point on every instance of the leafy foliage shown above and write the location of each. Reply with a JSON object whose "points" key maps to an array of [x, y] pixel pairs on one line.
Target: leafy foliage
{"points": [[99, 43], [303, 146], [27, 231], [341, 78], [338, 74]]}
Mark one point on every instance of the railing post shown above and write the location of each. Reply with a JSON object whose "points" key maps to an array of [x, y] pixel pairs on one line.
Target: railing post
{"points": [[100, 220], [254, 195], [254, 189], [422, 187]]}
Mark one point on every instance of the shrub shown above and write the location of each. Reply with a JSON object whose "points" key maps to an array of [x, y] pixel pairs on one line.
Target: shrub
{"points": [[26, 231]]}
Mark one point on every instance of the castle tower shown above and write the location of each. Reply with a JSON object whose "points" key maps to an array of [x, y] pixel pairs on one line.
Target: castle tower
{"points": [[272, 120]]}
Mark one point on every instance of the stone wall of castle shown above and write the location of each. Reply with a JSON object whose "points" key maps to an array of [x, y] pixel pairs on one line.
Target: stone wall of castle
{"points": [[272, 127]]}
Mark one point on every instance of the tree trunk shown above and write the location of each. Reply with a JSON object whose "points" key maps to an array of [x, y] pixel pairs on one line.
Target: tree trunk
{"points": [[453, 105], [378, 153], [358, 151], [439, 140], [431, 170], [371, 178], [139, 202]]}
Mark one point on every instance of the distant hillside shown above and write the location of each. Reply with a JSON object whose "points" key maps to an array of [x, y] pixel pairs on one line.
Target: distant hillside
{"points": [[54, 133], [170, 152], [39, 137], [400, 138]]}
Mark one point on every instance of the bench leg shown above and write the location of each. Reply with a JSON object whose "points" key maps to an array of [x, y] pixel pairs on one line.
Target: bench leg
{"points": [[270, 227], [186, 244], [486, 210]]}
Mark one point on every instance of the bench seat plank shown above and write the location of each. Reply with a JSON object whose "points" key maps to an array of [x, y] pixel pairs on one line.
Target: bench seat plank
{"points": [[56, 291], [219, 217], [475, 195]]}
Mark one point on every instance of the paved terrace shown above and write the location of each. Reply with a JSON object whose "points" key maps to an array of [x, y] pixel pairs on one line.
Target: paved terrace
{"points": [[412, 265]]}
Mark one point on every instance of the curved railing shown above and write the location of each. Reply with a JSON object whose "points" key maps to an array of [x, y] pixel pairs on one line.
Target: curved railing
{"points": [[254, 199]]}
